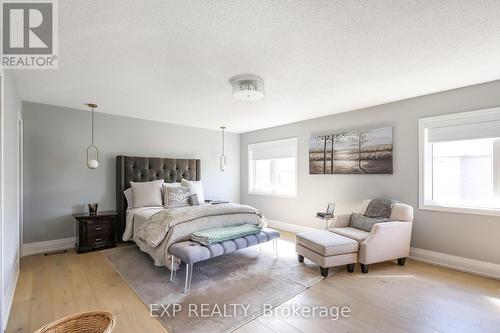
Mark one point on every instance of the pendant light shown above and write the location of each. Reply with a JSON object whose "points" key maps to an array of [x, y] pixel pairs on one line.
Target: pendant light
{"points": [[223, 160], [92, 151]]}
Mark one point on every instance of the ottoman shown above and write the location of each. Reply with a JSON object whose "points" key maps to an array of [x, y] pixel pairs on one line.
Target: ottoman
{"points": [[326, 249]]}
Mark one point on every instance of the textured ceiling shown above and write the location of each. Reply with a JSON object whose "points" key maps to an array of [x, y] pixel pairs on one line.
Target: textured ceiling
{"points": [[171, 60]]}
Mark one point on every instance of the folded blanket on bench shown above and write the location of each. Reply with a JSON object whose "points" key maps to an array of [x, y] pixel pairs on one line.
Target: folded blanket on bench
{"points": [[217, 235]]}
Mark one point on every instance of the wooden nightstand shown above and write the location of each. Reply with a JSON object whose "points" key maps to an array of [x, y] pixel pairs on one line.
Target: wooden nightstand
{"points": [[95, 232]]}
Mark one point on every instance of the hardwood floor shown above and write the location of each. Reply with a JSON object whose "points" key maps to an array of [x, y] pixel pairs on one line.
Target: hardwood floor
{"points": [[415, 298]]}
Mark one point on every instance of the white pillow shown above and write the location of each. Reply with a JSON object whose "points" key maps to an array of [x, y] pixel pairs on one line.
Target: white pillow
{"points": [[147, 194], [195, 187], [128, 196]]}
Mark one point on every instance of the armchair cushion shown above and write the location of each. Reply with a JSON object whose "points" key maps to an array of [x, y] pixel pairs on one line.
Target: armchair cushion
{"points": [[353, 233]]}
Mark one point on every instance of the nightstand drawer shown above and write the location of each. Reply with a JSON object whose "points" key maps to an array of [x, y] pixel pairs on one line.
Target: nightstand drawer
{"points": [[97, 240], [99, 228]]}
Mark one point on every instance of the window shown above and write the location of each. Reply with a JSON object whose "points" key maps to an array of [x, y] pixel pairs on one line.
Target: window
{"points": [[273, 168], [460, 162]]}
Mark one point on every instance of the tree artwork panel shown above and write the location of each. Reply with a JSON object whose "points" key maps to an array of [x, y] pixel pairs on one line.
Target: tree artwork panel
{"points": [[352, 152]]}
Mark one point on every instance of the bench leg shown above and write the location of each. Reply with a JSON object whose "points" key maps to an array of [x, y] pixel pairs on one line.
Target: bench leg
{"points": [[172, 271], [275, 246], [189, 275], [260, 249]]}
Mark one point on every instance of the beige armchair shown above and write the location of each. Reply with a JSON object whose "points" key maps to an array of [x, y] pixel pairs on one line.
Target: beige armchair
{"points": [[386, 241]]}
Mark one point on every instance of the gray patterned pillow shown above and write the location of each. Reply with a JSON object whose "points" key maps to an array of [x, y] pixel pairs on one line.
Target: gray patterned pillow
{"points": [[193, 200], [359, 221], [177, 196]]}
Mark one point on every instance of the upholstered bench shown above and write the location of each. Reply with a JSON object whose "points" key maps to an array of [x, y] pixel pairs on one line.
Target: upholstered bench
{"points": [[326, 249], [192, 252]]}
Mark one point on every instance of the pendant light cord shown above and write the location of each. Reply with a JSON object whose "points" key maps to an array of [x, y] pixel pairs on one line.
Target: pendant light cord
{"points": [[92, 125], [223, 141], [223, 128]]}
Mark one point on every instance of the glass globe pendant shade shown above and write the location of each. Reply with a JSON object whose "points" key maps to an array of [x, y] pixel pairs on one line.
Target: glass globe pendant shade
{"points": [[93, 164]]}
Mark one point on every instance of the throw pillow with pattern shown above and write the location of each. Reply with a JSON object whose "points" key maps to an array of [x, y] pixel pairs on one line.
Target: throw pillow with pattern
{"points": [[177, 196]]}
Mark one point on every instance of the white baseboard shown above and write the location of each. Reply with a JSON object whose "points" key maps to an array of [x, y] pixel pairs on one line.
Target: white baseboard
{"points": [[482, 268], [9, 294], [48, 246], [290, 227]]}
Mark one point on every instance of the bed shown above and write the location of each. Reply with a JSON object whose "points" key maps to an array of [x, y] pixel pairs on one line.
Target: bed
{"points": [[156, 229]]}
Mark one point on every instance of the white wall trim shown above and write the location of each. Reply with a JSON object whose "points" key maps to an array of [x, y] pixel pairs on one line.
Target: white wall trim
{"points": [[48, 246], [290, 227], [482, 268], [9, 295]]}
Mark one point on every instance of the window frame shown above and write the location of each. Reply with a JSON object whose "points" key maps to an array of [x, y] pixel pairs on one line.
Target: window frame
{"points": [[251, 169], [425, 155]]}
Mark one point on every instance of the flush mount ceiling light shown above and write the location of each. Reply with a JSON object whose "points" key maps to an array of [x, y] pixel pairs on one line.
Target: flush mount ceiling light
{"points": [[247, 87]]}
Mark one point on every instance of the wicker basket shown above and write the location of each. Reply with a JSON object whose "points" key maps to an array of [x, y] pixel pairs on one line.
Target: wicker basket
{"points": [[84, 322]]}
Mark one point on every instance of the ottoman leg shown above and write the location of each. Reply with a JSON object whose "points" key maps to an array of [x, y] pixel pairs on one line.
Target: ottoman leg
{"points": [[401, 261], [324, 271], [300, 258], [364, 268], [350, 268]]}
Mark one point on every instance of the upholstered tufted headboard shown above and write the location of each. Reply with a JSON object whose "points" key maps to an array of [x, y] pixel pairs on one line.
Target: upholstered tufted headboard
{"points": [[143, 169]]}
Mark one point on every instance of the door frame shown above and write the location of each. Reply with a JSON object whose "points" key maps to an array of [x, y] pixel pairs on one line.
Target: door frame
{"points": [[20, 176], [2, 282]]}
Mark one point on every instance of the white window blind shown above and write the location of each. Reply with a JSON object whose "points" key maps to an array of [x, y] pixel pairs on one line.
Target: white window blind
{"points": [[272, 167], [460, 162], [475, 129]]}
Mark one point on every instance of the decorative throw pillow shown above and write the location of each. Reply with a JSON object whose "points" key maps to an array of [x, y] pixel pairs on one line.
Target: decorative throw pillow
{"points": [[193, 200], [177, 196], [362, 222], [164, 190], [195, 187], [380, 208], [147, 194], [357, 221]]}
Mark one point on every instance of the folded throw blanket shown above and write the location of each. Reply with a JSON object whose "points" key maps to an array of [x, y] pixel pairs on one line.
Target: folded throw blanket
{"points": [[380, 208], [217, 235]]}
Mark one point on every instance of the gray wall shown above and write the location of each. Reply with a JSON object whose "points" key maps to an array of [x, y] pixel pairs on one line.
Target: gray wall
{"points": [[471, 236], [10, 164], [57, 182]]}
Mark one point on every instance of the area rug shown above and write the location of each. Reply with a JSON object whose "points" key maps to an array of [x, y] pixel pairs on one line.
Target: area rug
{"points": [[226, 292]]}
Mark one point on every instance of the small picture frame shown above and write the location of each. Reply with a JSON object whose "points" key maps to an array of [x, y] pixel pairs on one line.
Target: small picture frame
{"points": [[330, 209]]}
